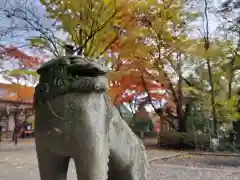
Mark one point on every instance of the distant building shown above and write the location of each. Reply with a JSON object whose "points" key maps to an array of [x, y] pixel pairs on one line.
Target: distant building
{"points": [[15, 104], [142, 116]]}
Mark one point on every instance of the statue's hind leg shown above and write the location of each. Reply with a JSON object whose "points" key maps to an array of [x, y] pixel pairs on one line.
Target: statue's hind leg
{"points": [[127, 153], [52, 166]]}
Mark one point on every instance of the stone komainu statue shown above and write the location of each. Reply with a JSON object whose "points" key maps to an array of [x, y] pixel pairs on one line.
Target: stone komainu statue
{"points": [[75, 119]]}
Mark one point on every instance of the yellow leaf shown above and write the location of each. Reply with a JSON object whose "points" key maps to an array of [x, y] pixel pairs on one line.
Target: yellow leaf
{"points": [[106, 2]]}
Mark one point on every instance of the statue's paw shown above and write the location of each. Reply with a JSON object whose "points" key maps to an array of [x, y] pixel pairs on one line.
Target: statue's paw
{"points": [[101, 84]]}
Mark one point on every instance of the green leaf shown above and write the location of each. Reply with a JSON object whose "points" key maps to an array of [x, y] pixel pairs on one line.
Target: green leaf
{"points": [[22, 72], [39, 42], [191, 90]]}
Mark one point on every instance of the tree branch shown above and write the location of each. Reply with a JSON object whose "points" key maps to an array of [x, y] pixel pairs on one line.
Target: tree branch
{"points": [[80, 49]]}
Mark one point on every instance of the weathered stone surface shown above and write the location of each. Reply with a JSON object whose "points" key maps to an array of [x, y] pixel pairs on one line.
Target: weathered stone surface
{"points": [[75, 119]]}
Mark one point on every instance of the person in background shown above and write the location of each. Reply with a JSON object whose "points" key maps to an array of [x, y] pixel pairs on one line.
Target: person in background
{"points": [[1, 128], [15, 134]]}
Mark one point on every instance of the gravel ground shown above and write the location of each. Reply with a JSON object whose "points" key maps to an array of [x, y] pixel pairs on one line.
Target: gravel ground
{"points": [[164, 172], [204, 161], [153, 153], [21, 164]]}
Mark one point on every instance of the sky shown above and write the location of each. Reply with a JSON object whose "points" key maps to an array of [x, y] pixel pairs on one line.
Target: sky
{"points": [[20, 37]]}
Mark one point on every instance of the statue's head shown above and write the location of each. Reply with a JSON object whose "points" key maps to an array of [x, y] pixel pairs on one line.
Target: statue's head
{"points": [[71, 89], [74, 65], [70, 74]]}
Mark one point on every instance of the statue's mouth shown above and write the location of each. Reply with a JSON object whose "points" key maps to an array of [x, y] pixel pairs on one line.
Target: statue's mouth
{"points": [[87, 71], [81, 67]]}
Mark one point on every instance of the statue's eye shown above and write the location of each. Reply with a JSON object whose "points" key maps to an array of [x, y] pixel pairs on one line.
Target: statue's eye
{"points": [[55, 80], [58, 81], [61, 82], [44, 88]]}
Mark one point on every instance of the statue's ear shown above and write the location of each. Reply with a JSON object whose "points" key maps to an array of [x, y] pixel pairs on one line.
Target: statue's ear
{"points": [[43, 70], [69, 50]]}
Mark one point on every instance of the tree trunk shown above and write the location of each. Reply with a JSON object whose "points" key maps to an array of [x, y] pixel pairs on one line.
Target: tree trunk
{"points": [[214, 116], [230, 80], [181, 122], [179, 104], [231, 70], [158, 111], [206, 47]]}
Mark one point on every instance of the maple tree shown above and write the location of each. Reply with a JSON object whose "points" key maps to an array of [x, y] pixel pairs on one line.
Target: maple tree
{"points": [[150, 41], [19, 67], [124, 27], [132, 82], [148, 47], [99, 28], [92, 26], [155, 44], [168, 45]]}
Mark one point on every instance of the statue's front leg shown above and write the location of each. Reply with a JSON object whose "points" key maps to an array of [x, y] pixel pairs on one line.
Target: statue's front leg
{"points": [[51, 165], [89, 135], [91, 161]]}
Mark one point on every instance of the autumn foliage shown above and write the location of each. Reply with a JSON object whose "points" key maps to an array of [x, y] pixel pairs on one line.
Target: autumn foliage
{"points": [[26, 60], [126, 79], [16, 93], [20, 78]]}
